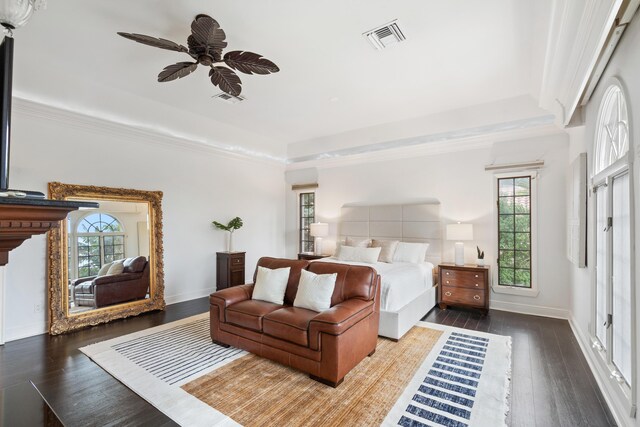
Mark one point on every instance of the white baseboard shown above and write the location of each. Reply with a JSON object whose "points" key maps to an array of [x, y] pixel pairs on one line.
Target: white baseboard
{"points": [[25, 331], [617, 410], [536, 310], [187, 296]]}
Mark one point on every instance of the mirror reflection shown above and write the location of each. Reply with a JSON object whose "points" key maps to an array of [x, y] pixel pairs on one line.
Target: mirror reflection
{"points": [[108, 255]]}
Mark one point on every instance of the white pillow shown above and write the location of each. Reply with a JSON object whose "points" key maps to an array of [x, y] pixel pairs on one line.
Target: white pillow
{"points": [[271, 284], [411, 252], [350, 253], [104, 269], [116, 268], [388, 249], [315, 291], [359, 243]]}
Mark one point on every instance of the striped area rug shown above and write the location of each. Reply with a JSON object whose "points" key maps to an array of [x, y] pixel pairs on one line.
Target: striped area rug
{"points": [[460, 379]]}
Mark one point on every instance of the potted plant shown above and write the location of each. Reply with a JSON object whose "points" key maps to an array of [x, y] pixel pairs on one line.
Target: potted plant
{"points": [[232, 226], [480, 261]]}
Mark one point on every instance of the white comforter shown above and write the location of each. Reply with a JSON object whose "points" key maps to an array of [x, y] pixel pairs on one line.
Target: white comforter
{"points": [[402, 282]]}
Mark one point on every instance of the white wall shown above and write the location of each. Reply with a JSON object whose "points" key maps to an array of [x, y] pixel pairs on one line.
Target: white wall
{"points": [[465, 190], [199, 185], [625, 65]]}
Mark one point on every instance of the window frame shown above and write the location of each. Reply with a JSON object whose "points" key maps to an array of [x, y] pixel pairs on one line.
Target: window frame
{"points": [[532, 291], [301, 229]]}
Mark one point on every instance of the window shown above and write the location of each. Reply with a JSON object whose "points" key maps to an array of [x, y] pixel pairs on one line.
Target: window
{"points": [[307, 210], [515, 230], [613, 309], [99, 241]]}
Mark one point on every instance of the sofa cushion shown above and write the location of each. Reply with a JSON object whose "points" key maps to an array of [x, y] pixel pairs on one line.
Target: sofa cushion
{"points": [[315, 291], [294, 274], [249, 314], [289, 324], [271, 285], [116, 268], [135, 265], [354, 281]]}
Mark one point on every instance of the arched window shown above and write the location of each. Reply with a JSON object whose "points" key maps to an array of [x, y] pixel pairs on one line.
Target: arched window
{"points": [[614, 311], [100, 240]]}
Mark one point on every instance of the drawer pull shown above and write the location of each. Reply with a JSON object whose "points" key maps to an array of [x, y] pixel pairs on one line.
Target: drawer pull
{"points": [[476, 297], [477, 285], [448, 294], [476, 275]]}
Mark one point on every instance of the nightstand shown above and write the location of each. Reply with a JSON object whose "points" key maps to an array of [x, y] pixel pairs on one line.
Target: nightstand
{"points": [[463, 285], [229, 269], [311, 257]]}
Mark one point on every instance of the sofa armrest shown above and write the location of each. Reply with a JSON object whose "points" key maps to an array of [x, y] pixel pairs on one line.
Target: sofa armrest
{"points": [[338, 319], [81, 280], [229, 296]]}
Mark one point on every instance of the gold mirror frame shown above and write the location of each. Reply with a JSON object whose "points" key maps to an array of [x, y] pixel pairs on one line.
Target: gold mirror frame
{"points": [[60, 319]]}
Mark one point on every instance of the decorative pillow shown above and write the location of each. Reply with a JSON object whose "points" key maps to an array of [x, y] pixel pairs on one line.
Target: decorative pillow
{"points": [[271, 284], [357, 242], [350, 253], [388, 249], [116, 268], [104, 270], [315, 291], [411, 252]]}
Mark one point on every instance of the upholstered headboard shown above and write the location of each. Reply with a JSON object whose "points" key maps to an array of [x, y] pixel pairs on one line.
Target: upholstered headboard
{"points": [[405, 222]]}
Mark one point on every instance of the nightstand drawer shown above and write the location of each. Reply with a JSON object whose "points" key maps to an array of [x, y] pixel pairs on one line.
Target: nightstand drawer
{"points": [[237, 259], [463, 279], [465, 296]]}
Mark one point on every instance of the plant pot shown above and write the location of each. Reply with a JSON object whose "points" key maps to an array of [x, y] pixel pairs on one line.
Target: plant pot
{"points": [[230, 243], [480, 262]]}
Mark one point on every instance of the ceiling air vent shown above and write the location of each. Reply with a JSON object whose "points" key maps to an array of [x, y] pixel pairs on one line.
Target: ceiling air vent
{"points": [[229, 98], [385, 35]]}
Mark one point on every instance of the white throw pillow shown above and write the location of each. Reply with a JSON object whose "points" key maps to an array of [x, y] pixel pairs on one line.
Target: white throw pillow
{"points": [[411, 252], [116, 268], [350, 253], [315, 291], [104, 269], [271, 285], [357, 242], [388, 249]]}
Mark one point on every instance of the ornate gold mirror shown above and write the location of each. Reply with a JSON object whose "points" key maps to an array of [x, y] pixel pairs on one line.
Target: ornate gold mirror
{"points": [[105, 263]]}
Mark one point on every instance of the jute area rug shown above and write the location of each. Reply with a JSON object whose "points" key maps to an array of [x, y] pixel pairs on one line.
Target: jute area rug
{"points": [[434, 376]]}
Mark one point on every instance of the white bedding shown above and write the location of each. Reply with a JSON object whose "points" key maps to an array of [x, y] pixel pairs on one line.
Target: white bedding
{"points": [[402, 282]]}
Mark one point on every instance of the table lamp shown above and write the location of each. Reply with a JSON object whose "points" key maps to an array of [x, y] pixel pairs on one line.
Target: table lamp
{"points": [[459, 232], [318, 230]]}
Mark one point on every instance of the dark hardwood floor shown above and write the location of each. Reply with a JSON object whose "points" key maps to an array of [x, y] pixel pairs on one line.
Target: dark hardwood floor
{"points": [[551, 382]]}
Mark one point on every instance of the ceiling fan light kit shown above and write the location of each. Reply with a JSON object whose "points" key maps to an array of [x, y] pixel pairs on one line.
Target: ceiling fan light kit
{"points": [[205, 45]]}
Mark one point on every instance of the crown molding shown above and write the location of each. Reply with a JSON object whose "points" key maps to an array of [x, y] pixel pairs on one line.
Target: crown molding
{"points": [[136, 131], [429, 145]]}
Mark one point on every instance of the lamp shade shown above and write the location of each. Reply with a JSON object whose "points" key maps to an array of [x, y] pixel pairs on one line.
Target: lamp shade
{"points": [[459, 232], [319, 229], [15, 13]]}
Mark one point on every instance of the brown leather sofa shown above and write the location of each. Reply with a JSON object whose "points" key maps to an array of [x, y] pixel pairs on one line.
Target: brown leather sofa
{"points": [[130, 285], [327, 345]]}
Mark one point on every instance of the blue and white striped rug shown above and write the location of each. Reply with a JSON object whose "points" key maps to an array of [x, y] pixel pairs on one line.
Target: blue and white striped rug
{"points": [[463, 381]]}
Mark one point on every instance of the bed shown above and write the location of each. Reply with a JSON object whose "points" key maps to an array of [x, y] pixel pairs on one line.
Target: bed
{"points": [[408, 289]]}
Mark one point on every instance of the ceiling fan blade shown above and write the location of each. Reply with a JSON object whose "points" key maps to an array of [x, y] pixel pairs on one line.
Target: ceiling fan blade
{"points": [[177, 71], [207, 34], [249, 62], [226, 80], [154, 41]]}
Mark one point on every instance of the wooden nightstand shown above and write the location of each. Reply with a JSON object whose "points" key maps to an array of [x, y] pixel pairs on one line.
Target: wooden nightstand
{"points": [[463, 285], [310, 257], [229, 269]]}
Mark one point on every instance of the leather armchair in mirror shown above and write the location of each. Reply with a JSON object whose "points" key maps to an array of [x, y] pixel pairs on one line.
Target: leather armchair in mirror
{"points": [[105, 263]]}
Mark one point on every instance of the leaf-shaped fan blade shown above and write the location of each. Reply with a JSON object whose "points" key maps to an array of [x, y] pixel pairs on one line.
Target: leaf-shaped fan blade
{"points": [[207, 33], [249, 62], [177, 71], [154, 41], [226, 80]]}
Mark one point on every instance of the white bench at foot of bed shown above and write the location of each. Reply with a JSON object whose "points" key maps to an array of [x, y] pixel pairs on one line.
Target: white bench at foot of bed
{"points": [[394, 324]]}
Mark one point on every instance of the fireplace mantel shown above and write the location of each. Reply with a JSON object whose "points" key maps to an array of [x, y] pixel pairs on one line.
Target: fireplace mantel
{"points": [[22, 218]]}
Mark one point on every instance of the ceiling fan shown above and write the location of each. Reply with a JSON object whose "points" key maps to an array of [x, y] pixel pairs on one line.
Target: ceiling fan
{"points": [[205, 46]]}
